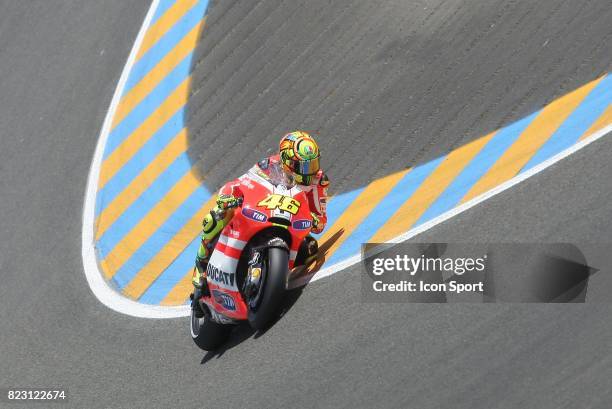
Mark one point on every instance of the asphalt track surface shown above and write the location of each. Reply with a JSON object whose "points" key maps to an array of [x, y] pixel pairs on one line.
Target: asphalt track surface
{"points": [[386, 84], [59, 64]]}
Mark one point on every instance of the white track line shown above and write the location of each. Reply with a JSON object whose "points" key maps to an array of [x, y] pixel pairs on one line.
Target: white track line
{"points": [[99, 286], [115, 301]]}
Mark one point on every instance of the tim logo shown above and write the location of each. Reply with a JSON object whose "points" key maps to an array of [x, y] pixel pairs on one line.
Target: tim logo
{"points": [[225, 300], [302, 224], [254, 214]]}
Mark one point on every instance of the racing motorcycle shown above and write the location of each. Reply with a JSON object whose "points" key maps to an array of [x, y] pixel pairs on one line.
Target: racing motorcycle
{"points": [[250, 265]]}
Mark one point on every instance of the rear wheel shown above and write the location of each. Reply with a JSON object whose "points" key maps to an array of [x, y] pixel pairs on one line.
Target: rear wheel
{"points": [[207, 334], [272, 289]]}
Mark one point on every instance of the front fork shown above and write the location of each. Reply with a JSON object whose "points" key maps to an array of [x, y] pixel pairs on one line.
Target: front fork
{"points": [[256, 272], [253, 278]]}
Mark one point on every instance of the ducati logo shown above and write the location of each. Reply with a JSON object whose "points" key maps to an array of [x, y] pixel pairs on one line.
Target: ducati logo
{"points": [[220, 276]]}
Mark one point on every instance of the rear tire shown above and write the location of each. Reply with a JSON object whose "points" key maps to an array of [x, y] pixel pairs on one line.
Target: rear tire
{"points": [[273, 289], [207, 334]]}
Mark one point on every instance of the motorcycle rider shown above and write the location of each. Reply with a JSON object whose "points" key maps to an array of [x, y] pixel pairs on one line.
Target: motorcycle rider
{"points": [[298, 159]]}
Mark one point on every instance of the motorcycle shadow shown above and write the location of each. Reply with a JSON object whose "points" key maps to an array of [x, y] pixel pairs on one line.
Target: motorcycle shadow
{"points": [[303, 274], [243, 331]]}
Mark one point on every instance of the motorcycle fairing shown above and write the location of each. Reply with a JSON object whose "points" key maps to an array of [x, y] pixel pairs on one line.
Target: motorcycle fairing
{"points": [[222, 266]]}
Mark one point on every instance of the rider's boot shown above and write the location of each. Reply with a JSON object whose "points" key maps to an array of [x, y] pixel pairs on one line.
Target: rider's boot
{"points": [[307, 252], [198, 279], [212, 225], [312, 247]]}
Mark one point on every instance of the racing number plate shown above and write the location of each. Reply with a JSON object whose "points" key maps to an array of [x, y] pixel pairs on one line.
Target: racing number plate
{"points": [[284, 203]]}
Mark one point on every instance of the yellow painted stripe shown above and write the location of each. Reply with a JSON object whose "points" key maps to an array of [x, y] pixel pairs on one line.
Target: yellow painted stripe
{"points": [[429, 190], [530, 141], [359, 209], [157, 74], [151, 222], [156, 266], [180, 292], [124, 152], [163, 24], [140, 183], [604, 120], [106, 269]]}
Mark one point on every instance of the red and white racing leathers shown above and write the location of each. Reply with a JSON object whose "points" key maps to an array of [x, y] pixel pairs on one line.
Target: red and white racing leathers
{"points": [[316, 192]]}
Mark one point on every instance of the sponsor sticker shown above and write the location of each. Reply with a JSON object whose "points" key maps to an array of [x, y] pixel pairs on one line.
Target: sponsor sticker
{"points": [[219, 276], [302, 224], [254, 214], [225, 300], [246, 181]]}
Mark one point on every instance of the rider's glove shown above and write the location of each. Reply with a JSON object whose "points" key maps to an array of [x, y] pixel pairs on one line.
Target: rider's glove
{"points": [[315, 220], [226, 202]]}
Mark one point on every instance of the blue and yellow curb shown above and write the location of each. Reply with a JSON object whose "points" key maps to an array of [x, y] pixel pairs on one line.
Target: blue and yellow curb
{"points": [[149, 198], [150, 201]]}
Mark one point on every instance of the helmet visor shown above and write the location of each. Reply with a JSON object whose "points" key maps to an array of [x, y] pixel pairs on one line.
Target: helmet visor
{"points": [[307, 167], [304, 170]]}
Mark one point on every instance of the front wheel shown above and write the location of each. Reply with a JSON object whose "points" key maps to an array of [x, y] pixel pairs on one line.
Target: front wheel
{"points": [[207, 334], [272, 290]]}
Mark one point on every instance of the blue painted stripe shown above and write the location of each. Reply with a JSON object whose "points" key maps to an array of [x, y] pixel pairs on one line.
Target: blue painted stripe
{"points": [[477, 168], [162, 7], [161, 237], [402, 191], [338, 204], [143, 205], [165, 44], [172, 275], [591, 108], [147, 106], [140, 160]]}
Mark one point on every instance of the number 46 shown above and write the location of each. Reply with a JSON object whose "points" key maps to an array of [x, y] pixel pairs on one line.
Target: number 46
{"points": [[276, 201]]}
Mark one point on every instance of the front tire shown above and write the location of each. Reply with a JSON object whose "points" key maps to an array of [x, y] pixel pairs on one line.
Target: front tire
{"points": [[273, 289], [207, 334]]}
